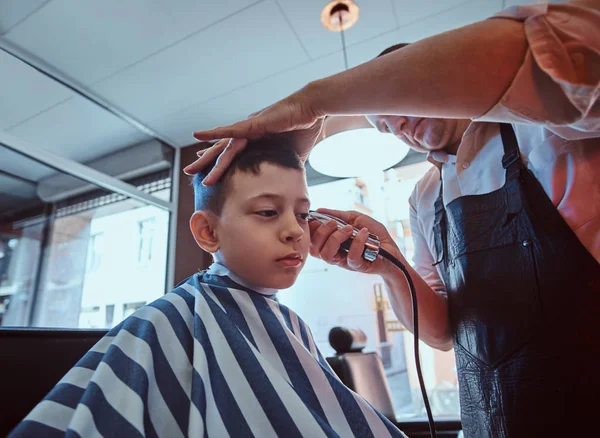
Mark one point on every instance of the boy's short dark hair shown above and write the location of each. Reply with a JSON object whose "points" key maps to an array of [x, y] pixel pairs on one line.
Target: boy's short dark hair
{"points": [[265, 150], [393, 49]]}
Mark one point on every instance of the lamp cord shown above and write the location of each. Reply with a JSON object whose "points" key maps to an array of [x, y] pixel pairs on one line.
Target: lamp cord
{"points": [[343, 40]]}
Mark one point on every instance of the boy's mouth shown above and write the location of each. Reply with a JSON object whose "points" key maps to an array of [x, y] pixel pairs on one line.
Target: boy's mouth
{"points": [[291, 260]]}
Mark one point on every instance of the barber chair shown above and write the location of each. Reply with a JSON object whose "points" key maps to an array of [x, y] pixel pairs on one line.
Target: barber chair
{"points": [[32, 361], [364, 374], [361, 372]]}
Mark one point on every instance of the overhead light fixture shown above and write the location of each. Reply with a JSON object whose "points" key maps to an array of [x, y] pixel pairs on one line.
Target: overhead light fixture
{"points": [[348, 145]]}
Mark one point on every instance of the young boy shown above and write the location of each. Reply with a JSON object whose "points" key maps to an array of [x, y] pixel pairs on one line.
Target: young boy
{"points": [[219, 356]]}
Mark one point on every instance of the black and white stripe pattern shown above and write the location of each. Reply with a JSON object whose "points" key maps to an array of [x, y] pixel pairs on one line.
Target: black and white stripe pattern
{"points": [[209, 359]]}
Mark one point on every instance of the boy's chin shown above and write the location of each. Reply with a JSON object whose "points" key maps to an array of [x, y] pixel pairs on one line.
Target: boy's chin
{"points": [[279, 281], [285, 284]]}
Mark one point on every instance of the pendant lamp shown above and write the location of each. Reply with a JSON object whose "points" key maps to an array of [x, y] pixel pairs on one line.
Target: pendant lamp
{"points": [[350, 146]]}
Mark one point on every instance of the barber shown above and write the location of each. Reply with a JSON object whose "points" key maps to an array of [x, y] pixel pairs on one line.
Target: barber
{"points": [[506, 225]]}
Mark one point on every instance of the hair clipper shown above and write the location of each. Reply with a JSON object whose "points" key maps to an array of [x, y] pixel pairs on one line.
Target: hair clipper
{"points": [[371, 246]]}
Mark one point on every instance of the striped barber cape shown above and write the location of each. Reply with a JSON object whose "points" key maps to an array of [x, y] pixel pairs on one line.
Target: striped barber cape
{"points": [[211, 358]]}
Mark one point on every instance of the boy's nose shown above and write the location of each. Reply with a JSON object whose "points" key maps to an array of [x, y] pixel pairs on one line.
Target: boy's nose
{"points": [[292, 232]]}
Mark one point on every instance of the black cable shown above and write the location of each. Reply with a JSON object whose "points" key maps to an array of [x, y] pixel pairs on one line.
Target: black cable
{"points": [[413, 296]]}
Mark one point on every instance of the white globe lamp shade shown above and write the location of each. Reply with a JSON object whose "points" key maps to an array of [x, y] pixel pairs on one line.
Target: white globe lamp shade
{"points": [[351, 147]]}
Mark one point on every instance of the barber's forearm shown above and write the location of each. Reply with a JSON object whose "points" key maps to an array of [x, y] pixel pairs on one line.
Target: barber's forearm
{"points": [[458, 74], [434, 324]]}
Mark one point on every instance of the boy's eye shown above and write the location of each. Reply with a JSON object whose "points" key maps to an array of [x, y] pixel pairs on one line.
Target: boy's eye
{"points": [[303, 216], [266, 213]]}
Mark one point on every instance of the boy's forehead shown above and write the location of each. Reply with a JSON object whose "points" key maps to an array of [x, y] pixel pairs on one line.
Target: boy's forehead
{"points": [[271, 178]]}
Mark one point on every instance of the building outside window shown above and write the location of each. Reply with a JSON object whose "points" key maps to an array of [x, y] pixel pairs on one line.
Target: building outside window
{"points": [[146, 230], [130, 308], [110, 316], [96, 248], [134, 263]]}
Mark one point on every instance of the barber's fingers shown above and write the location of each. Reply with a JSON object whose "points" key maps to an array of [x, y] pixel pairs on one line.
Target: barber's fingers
{"points": [[313, 226], [355, 259], [319, 235], [224, 160], [330, 249], [206, 156], [224, 152]]}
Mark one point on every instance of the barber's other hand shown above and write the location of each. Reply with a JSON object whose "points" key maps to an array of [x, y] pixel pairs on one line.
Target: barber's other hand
{"points": [[223, 151], [294, 113], [326, 240], [291, 118]]}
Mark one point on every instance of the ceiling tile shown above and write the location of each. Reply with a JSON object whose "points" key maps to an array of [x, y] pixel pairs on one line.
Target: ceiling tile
{"points": [[79, 130], [14, 11], [25, 92], [375, 17], [90, 40], [193, 15], [240, 103], [245, 48]]}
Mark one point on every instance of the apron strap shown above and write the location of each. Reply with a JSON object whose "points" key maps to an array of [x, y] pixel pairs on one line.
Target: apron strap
{"points": [[439, 230], [439, 224], [511, 161]]}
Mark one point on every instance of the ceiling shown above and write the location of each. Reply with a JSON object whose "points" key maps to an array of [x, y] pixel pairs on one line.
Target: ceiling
{"points": [[176, 66], [184, 65]]}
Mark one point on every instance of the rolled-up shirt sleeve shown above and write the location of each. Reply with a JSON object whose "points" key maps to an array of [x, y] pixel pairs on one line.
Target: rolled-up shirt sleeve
{"points": [[558, 84], [423, 259]]}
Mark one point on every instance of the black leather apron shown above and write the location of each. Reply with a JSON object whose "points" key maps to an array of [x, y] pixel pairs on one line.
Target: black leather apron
{"points": [[524, 300]]}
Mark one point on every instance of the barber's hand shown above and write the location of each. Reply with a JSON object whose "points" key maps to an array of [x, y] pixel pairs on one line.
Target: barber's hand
{"points": [[326, 240], [291, 118], [223, 151]]}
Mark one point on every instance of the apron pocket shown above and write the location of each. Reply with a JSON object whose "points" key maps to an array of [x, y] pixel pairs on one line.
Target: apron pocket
{"points": [[494, 301]]}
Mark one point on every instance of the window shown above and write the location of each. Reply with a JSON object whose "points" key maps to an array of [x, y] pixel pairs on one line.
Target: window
{"points": [[4, 302], [134, 259], [360, 193], [110, 315], [72, 259], [357, 300], [130, 308], [95, 252], [90, 317], [146, 229], [8, 246]]}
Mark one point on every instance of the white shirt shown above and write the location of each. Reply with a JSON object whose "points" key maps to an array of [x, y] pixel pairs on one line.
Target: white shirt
{"points": [[554, 106], [221, 270]]}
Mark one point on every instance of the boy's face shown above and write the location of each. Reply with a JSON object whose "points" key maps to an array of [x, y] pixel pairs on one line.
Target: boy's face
{"points": [[263, 228]]}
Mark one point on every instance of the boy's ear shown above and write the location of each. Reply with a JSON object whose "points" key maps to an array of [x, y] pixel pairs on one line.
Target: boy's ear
{"points": [[202, 227]]}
